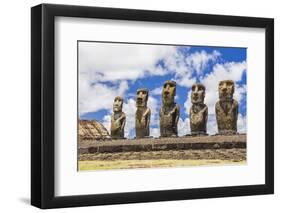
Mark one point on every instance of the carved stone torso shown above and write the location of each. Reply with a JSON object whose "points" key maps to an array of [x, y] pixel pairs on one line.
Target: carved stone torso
{"points": [[117, 125], [226, 115], [198, 119], [142, 122], [169, 116]]}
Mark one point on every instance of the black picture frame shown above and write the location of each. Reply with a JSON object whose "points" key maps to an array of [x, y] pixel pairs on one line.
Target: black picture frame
{"points": [[43, 105]]}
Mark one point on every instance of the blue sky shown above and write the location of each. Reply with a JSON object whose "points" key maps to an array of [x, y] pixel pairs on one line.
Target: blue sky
{"points": [[110, 69]]}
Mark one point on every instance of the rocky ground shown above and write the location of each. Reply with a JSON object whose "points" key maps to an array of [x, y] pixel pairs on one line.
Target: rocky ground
{"points": [[161, 144], [163, 152], [221, 154]]}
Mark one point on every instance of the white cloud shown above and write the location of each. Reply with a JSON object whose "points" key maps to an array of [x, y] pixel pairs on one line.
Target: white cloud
{"points": [[233, 71], [129, 108], [183, 127], [242, 124], [98, 96], [100, 62], [154, 105], [156, 91], [198, 61], [187, 103], [119, 63], [106, 121], [186, 66], [240, 92], [155, 132], [176, 64], [115, 61], [212, 127]]}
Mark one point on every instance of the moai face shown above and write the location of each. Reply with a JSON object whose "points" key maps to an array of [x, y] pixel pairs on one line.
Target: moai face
{"points": [[198, 111], [169, 112], [226, 90], [197, 94], [118, 119], [142, 97], [142, 114], [118, 104], [168, 92], [227, 109]]}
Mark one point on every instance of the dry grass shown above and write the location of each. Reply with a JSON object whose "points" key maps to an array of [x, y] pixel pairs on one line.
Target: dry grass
{"points": [[129, 164]]}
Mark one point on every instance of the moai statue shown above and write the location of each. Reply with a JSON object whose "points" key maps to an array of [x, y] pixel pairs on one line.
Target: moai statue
{"points": [[142, 114], [118, 119], [170, 111], [226, 109], [198, 111]]}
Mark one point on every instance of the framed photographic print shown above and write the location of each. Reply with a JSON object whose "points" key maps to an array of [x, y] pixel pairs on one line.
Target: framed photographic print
{"points": [[139, 106]]}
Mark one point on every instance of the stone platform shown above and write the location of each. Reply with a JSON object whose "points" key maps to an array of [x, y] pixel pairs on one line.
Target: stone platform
{"points": [[216, 142]]}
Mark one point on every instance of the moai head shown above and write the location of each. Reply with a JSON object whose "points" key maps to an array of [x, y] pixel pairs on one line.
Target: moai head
{"points": [[142, 97], [169, 112], [226, 90], [227, 109], [197, 93], [168, 92], [198, 111], [118, 104], [118, 119], [142, 117]]}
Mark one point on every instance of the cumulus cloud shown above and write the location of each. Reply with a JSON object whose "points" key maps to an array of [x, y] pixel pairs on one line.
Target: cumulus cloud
{"points": [[242, 124], [186, 66], [98, 96], [131, 62], [183, 127], [100, 63], [228, 70], [154, 132], [114, 61], [198, 61], [106, 122], [212, 127], [156, 91], [129, 108], [175, 63], [106, 70]]}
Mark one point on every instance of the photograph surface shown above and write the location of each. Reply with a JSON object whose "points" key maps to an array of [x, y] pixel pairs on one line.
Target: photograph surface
{"points": [[160, 105]]}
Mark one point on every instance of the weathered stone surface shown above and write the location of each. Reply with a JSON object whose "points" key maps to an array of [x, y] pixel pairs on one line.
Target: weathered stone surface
{"points": [[169, 112], [226, 109], [174, 143], [237, 154], [142, 116], [118, 119], [198, 111], [92, 130]]}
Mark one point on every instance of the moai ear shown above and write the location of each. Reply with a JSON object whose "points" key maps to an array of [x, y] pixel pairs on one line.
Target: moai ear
{"points": [[233, 88]]}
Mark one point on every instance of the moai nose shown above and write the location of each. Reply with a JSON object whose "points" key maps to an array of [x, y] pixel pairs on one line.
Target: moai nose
{"points": [[224, 88]]}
